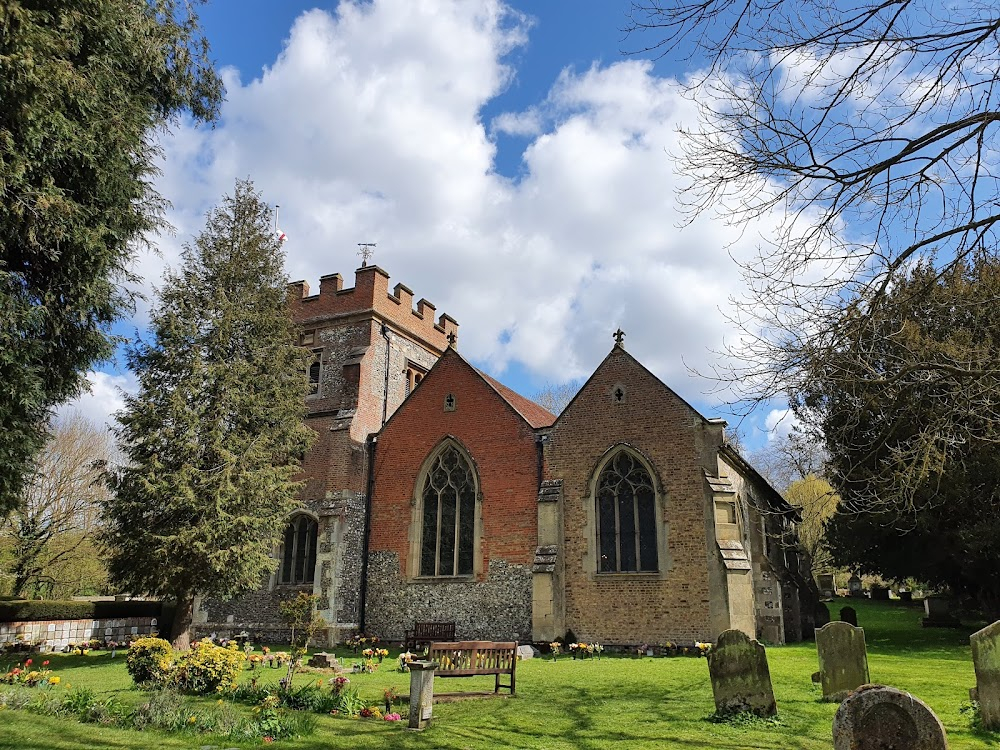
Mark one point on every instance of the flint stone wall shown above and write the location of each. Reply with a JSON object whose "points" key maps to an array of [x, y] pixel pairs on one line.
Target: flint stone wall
{"points": [[495, 609]]}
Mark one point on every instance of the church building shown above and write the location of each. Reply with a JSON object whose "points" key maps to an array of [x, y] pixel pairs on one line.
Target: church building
{"points": [[436, 494]]}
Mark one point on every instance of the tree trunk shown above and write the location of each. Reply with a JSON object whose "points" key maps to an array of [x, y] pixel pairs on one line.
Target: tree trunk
{"points": [[180, 631]]}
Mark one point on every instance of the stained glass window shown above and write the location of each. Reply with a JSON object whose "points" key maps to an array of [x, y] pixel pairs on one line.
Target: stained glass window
{"points": [[449, 516], [626, 517]]}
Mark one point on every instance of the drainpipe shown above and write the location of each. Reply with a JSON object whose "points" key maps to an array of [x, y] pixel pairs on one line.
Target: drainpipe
{"points": [[385, 388], [363, 593]]}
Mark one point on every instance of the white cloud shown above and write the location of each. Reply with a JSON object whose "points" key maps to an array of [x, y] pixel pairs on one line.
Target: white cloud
{"points": [[779, 423], [369, 128], [102, 398]]}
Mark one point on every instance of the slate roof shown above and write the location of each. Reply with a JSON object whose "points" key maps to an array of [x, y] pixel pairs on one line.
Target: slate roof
{"points": [[534, 414]]}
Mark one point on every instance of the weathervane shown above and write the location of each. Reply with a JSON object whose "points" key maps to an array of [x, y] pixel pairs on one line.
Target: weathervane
{"points": [[367, 251], [619, 335]]}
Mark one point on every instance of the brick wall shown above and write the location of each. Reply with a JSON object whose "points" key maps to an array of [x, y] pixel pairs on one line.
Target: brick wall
{"points": [[503, 449], [634, 608]]}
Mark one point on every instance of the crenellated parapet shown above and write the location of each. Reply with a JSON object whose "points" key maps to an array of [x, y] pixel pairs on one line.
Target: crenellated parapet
{"points": [[370, 294]]}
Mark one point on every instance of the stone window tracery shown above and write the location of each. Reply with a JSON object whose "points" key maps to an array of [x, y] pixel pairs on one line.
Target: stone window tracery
{"points": [[448, 517], [298, 559], [626, 517]]}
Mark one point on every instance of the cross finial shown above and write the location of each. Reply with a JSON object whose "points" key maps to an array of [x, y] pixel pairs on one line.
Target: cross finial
{"points": [[452, 338], [367, 251], [619, 335]]}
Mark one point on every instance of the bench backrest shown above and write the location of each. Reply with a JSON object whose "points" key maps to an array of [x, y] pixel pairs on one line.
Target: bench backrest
{"points": [[428, 631], [473, 657]]}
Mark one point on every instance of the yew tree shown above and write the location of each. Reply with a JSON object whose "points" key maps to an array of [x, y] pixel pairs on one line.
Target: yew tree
{"points": [[214, 435], [86, 87], [909, 413]]}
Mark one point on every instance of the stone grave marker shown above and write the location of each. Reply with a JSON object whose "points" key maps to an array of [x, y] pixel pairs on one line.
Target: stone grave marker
{"points": [[421, 693], [854, 586], [323, 660], [827, 585], [876, 717], [741, 680], [843, 659], [849, 615], [937, 611], [986, 660]]}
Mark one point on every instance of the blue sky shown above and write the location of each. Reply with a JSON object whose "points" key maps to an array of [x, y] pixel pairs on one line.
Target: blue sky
{"points": [[512, 164]]}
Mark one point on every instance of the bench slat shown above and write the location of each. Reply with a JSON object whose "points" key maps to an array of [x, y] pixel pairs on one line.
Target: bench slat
{"points": [[469, 658]]}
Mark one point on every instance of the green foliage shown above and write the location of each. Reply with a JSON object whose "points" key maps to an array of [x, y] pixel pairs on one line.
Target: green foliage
{"points": [[51, 609], [207, 668], [85, 85], [150, 661], [215, 434], [907, 414]]}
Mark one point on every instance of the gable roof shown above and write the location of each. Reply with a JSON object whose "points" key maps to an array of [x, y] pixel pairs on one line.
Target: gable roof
{"points": [[534, 414], [618, 349]]}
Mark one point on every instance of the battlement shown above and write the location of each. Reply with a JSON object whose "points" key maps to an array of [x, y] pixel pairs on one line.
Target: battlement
{"points": [[371, 293]]}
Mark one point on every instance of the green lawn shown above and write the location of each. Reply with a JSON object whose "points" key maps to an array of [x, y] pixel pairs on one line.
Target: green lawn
{"points": [[638, 703]]}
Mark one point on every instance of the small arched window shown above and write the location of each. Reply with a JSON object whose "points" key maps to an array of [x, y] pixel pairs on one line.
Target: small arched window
{"points": [[626, 517], [448, 518], [298, 562]]}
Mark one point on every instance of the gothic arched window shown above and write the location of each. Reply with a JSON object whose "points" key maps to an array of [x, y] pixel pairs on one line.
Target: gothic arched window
{"points": [[298, 561], [448, 517], [626, 517]]}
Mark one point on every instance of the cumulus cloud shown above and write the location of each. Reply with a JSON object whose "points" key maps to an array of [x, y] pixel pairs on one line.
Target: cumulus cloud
{"points": [[101, 400], [369, 127]]}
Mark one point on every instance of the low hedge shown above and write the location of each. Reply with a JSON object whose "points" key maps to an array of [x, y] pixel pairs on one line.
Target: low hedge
{"points": [[33, 610]]}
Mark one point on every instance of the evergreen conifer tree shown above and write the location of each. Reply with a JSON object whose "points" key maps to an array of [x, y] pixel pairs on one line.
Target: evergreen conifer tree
{"points": [[214, 436]]}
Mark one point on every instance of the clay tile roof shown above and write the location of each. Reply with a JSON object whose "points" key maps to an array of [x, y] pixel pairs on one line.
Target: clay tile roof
{"points": [[535, 415]]}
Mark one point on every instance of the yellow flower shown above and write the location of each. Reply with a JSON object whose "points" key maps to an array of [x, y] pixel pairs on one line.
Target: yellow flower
{"points": [[192, 720], [54, 680]]}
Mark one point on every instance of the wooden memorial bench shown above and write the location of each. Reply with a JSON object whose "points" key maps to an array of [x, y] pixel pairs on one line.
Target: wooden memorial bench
{"points": [[469, 658], [428, 632]]}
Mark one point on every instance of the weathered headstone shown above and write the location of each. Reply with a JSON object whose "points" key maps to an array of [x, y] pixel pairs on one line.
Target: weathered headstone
{"points": [[843, 660], [876, 717], [849, 615], [741, 680], [826, 584], [880, 593], [986, 660], [854, 586], [821, 615], [937, 611], [527, 652], [323, 660], [421, 693]]}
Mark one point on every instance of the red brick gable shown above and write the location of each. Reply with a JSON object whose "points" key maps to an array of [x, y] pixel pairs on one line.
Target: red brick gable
{"points": [[534, 414], [500, 442]]}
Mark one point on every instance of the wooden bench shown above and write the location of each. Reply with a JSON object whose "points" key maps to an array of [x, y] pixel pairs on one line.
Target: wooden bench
{"points": [[428, 632], [469, 658]]}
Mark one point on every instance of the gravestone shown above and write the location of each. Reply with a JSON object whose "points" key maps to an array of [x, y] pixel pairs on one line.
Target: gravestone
{"points": [[937, 611], [741, 680], [876, 717], [849, 615], [843, 660], [880, 593], [986, 660], [854, 586], [827, 585], [421, 693], [527, 652], [324, 660]]}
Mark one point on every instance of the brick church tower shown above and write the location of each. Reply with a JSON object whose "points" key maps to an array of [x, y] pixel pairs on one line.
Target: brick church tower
{"points": [[371, 347]]}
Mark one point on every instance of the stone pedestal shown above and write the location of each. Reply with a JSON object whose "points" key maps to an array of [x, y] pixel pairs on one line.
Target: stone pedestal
{"points": [[421, 693]]}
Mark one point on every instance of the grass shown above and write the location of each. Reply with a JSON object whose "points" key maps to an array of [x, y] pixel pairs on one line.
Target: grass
{"points": [[594, 704]]}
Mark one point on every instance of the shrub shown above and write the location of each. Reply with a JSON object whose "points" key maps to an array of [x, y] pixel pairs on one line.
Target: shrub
{"points": [[208, 668], [150, 660], [24, 610]]}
